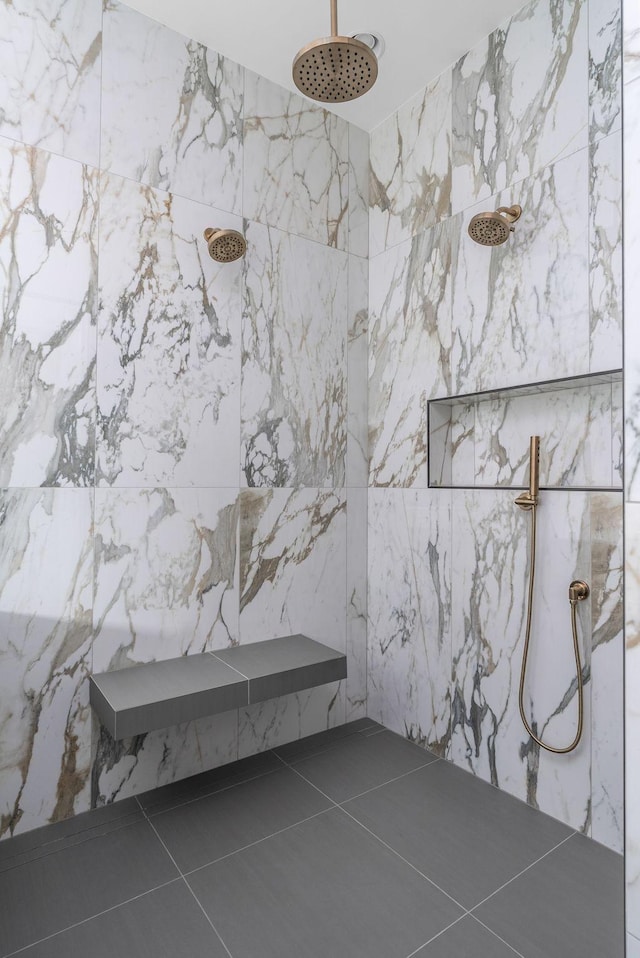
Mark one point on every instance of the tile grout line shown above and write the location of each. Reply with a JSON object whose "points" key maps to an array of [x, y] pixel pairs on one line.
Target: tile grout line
{"points": [[435, 937], [184, 880], [495, 933], [98, 914], [520, 873], [380, 840], [216, 791], [258, 841]]}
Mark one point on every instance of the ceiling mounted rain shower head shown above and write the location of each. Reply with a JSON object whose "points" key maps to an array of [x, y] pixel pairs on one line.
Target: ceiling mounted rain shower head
{"points": [[335, 69], [225, 246], [492, 229]]}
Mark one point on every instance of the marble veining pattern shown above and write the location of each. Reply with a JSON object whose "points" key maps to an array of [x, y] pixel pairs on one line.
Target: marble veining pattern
{"points": [[169, 345], [48, 278], [521, 311], [358, 191], [409, 614], [166, 574], [50, 52], [605, 67], [293, 564], [631, 46], [529, 84], [605, 253], [357, 364], [632, 289], [357, 704], [296, 169], [409, 351], [46, 582], [632, 715], [410, 186], [171, 111], [294, 361], [490, 575]]}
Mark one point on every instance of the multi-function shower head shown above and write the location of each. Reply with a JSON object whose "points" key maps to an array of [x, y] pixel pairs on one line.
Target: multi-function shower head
{"points": [[225, 246], [335, 69], [492, 229]]}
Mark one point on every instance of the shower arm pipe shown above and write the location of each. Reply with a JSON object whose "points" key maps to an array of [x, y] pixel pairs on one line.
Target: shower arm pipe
{"points": [[577, 591], [334, 18]]}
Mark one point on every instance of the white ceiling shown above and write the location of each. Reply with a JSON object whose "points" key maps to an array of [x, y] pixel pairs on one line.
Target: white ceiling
{"points": [[422, 37]]}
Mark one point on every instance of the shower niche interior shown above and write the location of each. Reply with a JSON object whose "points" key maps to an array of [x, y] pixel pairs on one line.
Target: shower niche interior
{"points": [[480, 440]]}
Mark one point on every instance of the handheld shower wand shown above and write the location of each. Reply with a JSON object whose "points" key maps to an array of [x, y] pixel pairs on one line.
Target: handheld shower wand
{"points": [[529, 499], [578, 591]]}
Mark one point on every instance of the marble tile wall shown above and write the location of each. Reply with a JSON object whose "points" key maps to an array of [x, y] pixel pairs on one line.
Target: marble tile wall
{"points": [[631, 150], [530, 116], [184, 443]]}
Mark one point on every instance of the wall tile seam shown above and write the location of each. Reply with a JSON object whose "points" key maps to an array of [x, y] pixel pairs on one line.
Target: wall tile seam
{"points": [[510, 187]]}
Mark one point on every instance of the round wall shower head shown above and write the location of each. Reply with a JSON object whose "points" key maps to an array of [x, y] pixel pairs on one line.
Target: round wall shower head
{"points": [[335, 69], [492, 229], [225, 246]]}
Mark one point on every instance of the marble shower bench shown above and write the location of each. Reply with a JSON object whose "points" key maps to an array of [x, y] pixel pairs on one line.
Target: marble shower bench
{"points": [[159, 694]]}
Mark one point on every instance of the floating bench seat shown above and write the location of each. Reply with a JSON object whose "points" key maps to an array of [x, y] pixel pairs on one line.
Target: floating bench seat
{"points": [[145, 697]]}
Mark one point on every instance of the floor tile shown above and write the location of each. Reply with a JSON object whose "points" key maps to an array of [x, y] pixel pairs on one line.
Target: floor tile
{"points": [[29, 846], [219, 824], [45, 896], [206, 783], [324, 888], [467, 836], [362, 762], [321, 741], [569, 905], [165, 923], [466, 939]]}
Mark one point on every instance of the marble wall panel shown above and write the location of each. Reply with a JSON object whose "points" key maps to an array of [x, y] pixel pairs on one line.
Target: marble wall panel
{"points": [[356, 604], [409, 614], [46, 579], [631, 43], [411, 167], [357, 365], [607, 676], [605, 67], [294, 361], [50, 79], [358, 191], [605, 253], [293, 564], [131, 766], [166, 574], [489, 598], [289, 718], [632, 714], [528, 83], [296, 166], [48, 286], [171, 111], [169, 344], [521, 311], [409, 350], [577, 429], [633, 947], [632, 287]]}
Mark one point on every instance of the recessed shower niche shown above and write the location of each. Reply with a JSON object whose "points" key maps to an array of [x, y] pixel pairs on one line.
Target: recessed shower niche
{"points": [[481, 440]]}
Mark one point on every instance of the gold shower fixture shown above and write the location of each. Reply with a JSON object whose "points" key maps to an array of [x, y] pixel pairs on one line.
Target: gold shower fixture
{"points": [[578, 591], [335, 69], [493, 229], [225, 246]]}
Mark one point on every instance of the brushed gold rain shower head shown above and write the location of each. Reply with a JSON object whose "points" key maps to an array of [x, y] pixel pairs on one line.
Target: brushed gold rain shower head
{"points": [[335, 69], [492, 229]]}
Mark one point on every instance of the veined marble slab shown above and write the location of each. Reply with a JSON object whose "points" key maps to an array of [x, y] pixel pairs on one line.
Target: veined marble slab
{"points": [[171, 111], [632, 714], [358, 191], [50, 52], [605, 67], [357, 367], [605, 253], [48, 280], [168, 343]]}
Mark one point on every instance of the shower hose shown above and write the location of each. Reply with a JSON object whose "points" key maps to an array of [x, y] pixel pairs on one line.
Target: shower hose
{"points": [[575, 594]]}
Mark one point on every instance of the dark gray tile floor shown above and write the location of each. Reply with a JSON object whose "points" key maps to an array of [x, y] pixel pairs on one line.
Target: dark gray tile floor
{"points": [[350, 844]]}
